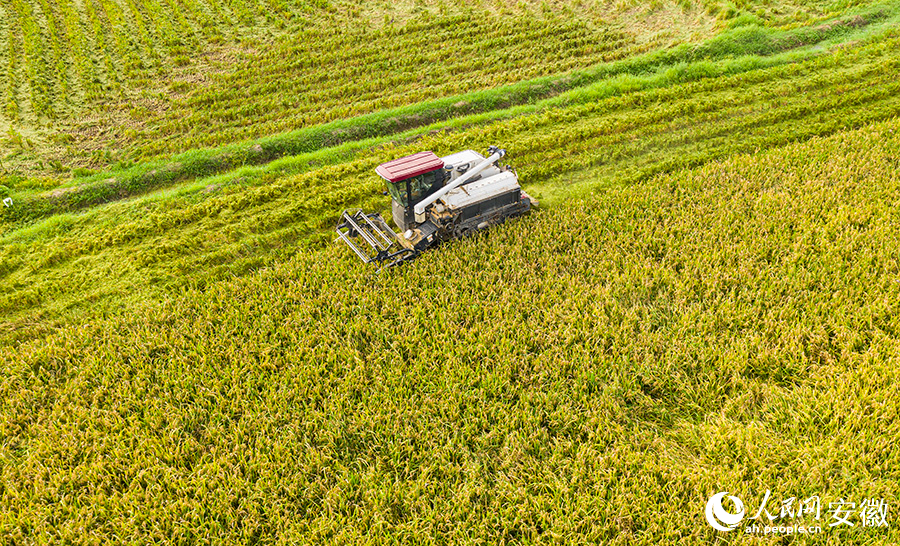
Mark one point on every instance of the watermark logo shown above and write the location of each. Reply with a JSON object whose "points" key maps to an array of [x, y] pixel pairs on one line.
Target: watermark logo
{"points": [[720, 518], [793, 515]]}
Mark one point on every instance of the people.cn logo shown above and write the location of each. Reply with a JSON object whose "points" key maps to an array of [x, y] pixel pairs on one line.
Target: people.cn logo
{"points": [[720, 518]]}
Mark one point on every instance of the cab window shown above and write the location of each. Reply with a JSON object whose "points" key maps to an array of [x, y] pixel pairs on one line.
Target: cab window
{"points": [[418, 188], [423, 185], [398, 192]]}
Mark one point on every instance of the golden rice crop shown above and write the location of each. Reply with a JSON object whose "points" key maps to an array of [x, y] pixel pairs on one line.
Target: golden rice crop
{"points": [[589, 373]]}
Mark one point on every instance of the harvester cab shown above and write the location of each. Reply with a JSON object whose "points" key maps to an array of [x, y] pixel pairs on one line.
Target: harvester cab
{"points": [[435, 199], [409, 180]]}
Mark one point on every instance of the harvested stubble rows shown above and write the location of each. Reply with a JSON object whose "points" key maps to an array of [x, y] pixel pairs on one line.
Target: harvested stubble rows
{"points": [[140, 79], [96, 82]]}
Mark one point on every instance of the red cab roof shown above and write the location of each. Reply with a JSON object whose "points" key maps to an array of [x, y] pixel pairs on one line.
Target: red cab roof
{"points": [[409, 166]]}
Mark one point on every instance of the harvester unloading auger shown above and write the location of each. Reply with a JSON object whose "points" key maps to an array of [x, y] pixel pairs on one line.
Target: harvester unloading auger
{"points": [[435, 199]]}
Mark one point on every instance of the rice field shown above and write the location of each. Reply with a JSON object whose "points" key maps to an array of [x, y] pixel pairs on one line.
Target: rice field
{"points": [[706, 299]]}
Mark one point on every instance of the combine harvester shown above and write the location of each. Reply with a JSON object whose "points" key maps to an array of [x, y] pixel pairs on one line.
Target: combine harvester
{"points": [[435, 199]]}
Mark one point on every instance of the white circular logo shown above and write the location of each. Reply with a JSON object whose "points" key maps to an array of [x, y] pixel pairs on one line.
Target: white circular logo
{"points": [[720, 518]]}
